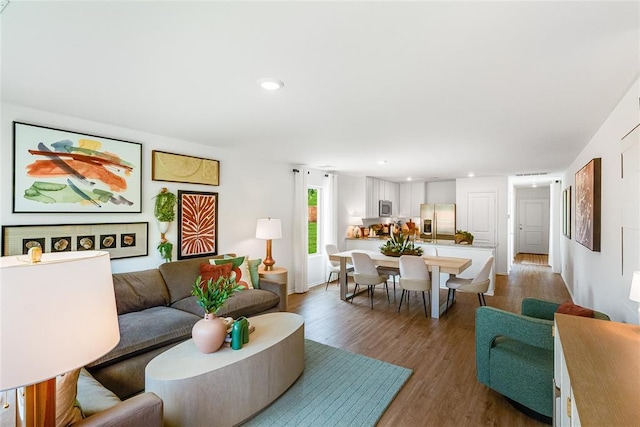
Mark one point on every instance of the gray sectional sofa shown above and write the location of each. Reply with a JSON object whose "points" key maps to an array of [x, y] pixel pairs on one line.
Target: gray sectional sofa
{"points": [[156, 311]]}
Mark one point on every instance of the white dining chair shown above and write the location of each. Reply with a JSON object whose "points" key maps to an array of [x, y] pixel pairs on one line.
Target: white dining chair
{"points": [[478, 285], [366, 274], [414, 276], [333, 267]]}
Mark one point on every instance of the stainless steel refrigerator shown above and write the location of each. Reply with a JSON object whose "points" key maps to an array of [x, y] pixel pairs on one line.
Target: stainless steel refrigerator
{"points": [[438, 222]]}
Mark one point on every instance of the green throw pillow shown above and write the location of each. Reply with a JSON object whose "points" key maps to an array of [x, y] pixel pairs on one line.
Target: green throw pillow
{"points": [[254, 264]]}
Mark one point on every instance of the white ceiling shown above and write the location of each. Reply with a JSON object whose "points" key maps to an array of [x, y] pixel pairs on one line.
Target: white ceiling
{"points": [[437, 89]]}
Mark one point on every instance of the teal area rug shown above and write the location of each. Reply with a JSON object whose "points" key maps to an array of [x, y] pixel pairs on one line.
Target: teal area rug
{"points": [[337, 388]]}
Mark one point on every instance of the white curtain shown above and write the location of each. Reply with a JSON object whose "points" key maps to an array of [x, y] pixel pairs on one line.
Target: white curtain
{"points": [[330, 219], [300, 230]]}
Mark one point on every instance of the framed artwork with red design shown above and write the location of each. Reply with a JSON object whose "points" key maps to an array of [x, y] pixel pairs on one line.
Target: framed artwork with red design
{"points": [[197, 224]]}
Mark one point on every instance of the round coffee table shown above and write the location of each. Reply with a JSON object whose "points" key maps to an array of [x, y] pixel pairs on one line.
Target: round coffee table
{"points": [[229, 386]]}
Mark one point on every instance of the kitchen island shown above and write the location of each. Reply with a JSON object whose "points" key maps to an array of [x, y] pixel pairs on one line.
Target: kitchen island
{"points": [[478, 253]]}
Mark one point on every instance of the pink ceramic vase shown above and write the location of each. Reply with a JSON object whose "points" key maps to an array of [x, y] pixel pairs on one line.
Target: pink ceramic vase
{"points": [[209, 333]]}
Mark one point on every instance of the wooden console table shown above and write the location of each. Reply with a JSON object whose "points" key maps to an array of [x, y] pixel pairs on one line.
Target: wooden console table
{"points": [[596, 372]]}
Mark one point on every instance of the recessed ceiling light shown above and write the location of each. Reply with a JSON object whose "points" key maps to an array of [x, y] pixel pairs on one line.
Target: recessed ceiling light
{"points": [[471, 175], [409, 179], [270, 84], [382, 162], [534, 185]]}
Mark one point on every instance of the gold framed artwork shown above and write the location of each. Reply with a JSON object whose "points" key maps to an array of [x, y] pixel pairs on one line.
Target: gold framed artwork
{"points": [[587, 231], [172, 167], [121, 240]]}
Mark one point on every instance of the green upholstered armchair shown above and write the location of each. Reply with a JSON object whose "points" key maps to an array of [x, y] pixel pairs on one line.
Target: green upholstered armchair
{"points": [[514, 353]]}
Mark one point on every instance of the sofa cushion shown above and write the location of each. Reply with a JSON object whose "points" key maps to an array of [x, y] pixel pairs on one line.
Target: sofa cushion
{"points": [[240, 269], [254, 264], [67, 409], [244, 303], [213, 273], [179, 276], [139, 290], [93, 396], [144, 330], [572, 309]]}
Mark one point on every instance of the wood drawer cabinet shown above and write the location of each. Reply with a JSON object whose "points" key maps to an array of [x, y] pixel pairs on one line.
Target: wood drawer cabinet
{"points": [[596, 372]]}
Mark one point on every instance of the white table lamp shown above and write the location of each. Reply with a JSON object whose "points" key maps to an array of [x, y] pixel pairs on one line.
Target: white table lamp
{"points": [[56, 315], [634, 293], [269, 229]]}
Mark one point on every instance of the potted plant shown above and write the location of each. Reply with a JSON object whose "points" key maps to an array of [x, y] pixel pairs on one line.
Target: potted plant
{"points": [[164, 211], [463, 237], [400, 244], [209, 333]]}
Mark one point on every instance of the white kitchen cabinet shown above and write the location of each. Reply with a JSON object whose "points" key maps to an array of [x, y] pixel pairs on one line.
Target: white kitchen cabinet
{"points": [[411, 197], [380, 189]]}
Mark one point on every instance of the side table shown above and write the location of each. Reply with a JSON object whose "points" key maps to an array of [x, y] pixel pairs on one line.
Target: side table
{"points": [[278, 274]]}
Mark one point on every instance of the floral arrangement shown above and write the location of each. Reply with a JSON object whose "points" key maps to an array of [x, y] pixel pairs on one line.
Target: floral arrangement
{"points": [[400, 244], [212, 294], [463, 237]]}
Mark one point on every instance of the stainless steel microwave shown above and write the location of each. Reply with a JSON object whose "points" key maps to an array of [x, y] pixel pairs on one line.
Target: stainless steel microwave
{"points": [[384, 207]]}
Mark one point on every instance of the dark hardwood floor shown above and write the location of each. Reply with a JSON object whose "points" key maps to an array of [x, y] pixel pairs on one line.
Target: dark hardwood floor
{"points": [[443, 390]]}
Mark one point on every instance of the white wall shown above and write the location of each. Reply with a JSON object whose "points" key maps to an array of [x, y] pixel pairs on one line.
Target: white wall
{"points": [[441, 192], [351, 202], [497, 185], [594, 278], [250, 188]]}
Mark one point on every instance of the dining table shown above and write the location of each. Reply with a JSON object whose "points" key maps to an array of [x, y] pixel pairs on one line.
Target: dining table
{"points": [[435, 264]]}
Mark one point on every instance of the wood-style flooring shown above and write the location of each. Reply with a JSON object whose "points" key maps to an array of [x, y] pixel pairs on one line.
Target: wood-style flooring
{"points": [[443, 390]]}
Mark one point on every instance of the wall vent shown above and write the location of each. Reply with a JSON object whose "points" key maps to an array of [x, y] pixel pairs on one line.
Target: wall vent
{"points": [[532, 174]]}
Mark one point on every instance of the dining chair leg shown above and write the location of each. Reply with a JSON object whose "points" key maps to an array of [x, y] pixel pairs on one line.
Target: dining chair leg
{"points": [[480, 300], [328, 280], [371, 288], [429, 298], [386, 285], [424, 301], [401, 298], [484, 302]]}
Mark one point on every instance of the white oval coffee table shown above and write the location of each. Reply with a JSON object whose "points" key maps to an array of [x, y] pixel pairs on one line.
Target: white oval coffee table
{"points": [[229, 386]]}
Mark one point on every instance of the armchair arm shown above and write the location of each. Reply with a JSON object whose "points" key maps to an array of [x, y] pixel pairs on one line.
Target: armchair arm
{"points": [[492, 322], [539, 308], [278, 288], [142, 410]]}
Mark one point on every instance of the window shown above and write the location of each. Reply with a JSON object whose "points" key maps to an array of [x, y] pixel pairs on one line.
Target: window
{"points": [[312, 225]]}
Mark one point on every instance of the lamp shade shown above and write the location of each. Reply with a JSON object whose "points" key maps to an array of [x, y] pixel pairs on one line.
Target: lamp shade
{"points": [[269, 228], [634, 294], [55, 315]]}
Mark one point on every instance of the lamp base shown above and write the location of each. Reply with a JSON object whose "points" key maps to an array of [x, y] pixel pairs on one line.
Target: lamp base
{"points": [[40, 404], [268, 261]]}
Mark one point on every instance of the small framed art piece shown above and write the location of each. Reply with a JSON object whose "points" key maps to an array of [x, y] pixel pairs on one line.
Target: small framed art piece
{"points": [[197, 224], [186, 169], [60, 171], [566, 212], [587, 231], [121, 240]]}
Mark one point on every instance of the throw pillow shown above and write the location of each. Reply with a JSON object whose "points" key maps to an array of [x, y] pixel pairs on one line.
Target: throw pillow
{"points": [[213, 272], [575, 310], [254, 264], [240, 269], [67, 408]]}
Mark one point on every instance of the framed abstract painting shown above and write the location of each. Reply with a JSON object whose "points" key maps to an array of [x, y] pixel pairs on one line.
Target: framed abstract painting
{"points": [[181, 168], [197, 224], [60, 171], [587, 231]]}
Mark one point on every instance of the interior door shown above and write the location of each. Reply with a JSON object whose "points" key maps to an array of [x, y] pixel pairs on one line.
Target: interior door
{"points": [[533, 226], [481, 217]]}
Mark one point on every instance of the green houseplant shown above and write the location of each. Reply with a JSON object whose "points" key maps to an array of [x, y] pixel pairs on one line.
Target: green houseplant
{"points": [[399, 244], [463, 237], [165, 211], [209, 333]]}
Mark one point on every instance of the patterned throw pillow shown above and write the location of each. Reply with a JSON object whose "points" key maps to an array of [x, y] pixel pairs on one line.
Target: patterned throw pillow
{"points": [[240, 268], [208, 271], [254, 264]]}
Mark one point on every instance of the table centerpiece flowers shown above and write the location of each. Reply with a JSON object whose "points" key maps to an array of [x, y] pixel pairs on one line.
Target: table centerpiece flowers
{"points": [[400, 244], [209, 333]]}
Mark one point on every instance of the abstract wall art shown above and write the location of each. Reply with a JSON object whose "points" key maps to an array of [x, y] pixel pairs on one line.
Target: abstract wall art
{"points": [[59, 171], [180, 168], [587, 210], [197, 224]]}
